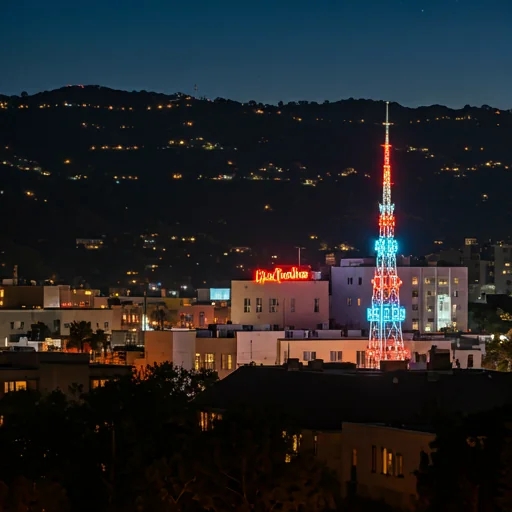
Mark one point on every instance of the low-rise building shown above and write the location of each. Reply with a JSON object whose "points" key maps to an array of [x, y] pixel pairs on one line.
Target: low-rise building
{"points": [[287, 297], [49, 371], [182, 348], [348, 419]]}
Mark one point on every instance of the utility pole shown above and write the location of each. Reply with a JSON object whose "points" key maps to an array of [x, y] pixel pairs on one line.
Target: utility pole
{"points": [[299, 249]]}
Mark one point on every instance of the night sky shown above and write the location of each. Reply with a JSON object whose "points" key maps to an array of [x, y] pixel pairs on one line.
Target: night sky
{"points": [[415, 52]]}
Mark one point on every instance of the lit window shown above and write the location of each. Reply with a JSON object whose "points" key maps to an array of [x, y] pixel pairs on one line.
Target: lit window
{"points": [[354, 457], [358, 302], [390, 469], [455, 293], [2, 291], [414, 280], [98, 383], [247, 305], [259, 305], [197, 362], [415, 325], [428, 280], [272, 305], [18, 385], [226, 361], [455, 280], [384, 461], [349, 301], [209, 361]]}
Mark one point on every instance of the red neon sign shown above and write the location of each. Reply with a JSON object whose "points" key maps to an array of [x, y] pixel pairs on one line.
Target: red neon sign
{"points": [[278, 275]]}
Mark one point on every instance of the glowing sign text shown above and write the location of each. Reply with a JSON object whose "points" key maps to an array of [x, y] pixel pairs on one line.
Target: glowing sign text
{"points": [[279, 275]]}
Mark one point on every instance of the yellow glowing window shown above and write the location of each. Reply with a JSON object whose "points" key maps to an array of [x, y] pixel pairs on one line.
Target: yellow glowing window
{"points": [[2, 292], [18, 385], [414, 280]]}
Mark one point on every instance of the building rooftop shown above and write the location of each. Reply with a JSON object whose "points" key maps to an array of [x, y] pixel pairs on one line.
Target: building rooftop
{"points": [[324, 399]]}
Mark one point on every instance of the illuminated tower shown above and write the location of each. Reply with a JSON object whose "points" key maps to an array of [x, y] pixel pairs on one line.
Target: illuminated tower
{"points": [[386, 315]]}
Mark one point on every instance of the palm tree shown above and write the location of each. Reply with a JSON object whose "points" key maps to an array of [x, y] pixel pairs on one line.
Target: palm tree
{"points": [[79, 333], [98, 340]]}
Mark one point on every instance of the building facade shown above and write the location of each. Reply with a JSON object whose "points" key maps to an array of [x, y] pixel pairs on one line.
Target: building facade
{"points": [[286, 304], [503, 268], [435, 298]]}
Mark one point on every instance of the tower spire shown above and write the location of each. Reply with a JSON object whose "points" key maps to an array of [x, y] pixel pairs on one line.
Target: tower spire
{"points": [[386, 314]]}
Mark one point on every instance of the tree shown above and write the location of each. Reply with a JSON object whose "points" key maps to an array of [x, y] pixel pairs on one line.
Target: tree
{"points": [[159, 316], [498, 353], [24, 94], [98, 340], [79, 333]]}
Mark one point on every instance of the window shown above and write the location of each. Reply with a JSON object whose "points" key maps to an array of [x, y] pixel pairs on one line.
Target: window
{"points": [[354, 457], [384, 461], [415, 307], [226, 361], [336, 355], [317, 306], [399, 465], [455, 280], [349, 301], [360, 281], [349, 280], [390, 468], [98, 383], [358, 302], [15, 385], [12, 326], [414, 280], [443, 281], [431, 320], [456, 293], [294, 445], [209, 361], [374, 459], [272, 305], [430, 280], [292, 305], [415, 325], [197, 362], [259, 305], [202, 319], [361, 358], [415, 293], [309, 356], [105, 325], [470, 360], [315, 444], [2, 293], [247, 305], [207, 420]]}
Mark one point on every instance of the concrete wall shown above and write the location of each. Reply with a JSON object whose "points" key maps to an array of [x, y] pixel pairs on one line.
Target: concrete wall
{"points": [[258, 347], [295, 303]]}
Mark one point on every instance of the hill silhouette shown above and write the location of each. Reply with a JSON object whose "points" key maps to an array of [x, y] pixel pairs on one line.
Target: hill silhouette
{"points": [[91, 161]]}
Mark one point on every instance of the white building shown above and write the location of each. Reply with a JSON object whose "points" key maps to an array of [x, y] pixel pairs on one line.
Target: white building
{"points": [[286, 304], [434, 297], [503, 268]]}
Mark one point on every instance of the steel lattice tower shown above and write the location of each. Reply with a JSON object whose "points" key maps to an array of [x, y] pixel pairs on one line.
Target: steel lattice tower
{"points": [[386, 315]]}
